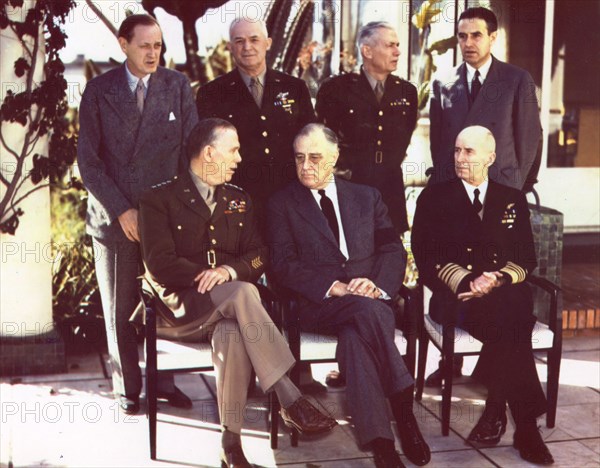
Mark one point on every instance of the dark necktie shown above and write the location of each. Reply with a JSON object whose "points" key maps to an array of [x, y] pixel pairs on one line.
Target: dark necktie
{"points": [[379, 90], [477, 203], [475, 86], [139, 94], [256, 91], [329, 212]]}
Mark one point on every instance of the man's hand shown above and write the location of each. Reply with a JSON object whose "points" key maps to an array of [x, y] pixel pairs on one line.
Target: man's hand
{"points": [[482, 285], [363, 287], [208, 279], [338, 289], [129, 223]]}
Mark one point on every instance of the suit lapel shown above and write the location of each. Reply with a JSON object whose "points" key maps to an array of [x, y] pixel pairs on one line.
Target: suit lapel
{"points": [[348, 202], [189, 195], [493, 203], [459, 93], [490, 89], [307, 208], [120, 98]]}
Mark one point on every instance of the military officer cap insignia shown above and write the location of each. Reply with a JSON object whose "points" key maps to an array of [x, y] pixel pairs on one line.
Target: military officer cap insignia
{"points": [[236, 206]]}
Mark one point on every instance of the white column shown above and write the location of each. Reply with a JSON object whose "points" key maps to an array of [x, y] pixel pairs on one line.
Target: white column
{"points": [[26, 257]]}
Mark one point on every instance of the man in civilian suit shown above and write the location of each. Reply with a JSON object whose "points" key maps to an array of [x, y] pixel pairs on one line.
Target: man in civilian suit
{"points": [[267, 107], [474, 248], [344, 261], [373, 114], [485, 91], [134, 121]]}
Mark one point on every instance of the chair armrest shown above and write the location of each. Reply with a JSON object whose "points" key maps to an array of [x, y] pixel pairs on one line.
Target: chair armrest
{"points": [[554, 291]]}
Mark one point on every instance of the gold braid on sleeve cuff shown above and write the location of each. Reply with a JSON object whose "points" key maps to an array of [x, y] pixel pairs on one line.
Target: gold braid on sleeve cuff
{"points": [[452, 274], [516, 273]]}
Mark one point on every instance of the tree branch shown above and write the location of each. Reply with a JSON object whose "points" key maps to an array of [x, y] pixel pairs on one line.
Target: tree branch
{"points": [[103, 18], [29, 192], [5, 145]]}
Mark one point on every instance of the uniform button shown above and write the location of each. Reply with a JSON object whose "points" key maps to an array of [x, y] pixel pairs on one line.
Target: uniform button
{"points": [[267, 150], [230, 115], [380, 128], [211, 227], [241, 224], [352, 111], [495, 255], [262, 117], [403, 113], [343, 265], [213, 241], [380, 112], [378, 142], [469, 249], [179, 227], [469, 267], [495, 261], [265, 133]]}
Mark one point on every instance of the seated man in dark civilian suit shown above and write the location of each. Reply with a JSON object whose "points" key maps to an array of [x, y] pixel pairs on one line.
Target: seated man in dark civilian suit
{"points": [[473, 246], [266, 106], [134, 121], [202, 251], [334, 245]]}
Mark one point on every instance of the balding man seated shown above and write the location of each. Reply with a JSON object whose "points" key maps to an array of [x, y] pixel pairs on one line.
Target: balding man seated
{"points": [[474, 248]]}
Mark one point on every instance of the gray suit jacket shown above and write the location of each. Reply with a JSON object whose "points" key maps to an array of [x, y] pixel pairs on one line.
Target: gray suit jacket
{"points": [[507, 105], [305, 255], [120, 152]]}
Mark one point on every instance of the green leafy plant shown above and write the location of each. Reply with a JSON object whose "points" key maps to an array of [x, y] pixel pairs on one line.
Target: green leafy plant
{"points": [[40, 108], [422, 20]]}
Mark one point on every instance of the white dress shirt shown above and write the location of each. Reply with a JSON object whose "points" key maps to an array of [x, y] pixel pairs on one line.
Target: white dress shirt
{"points": [[132, 80], [483, 72]]}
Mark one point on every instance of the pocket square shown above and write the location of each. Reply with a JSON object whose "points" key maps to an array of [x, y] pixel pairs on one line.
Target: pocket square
{"points": [[171, 116]]}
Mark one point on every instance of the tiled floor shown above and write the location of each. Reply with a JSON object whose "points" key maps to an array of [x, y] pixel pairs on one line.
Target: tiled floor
{"points": [[70, 420]]}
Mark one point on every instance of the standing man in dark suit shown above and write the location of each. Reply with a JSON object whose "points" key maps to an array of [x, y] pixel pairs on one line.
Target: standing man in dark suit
{"points": [[485, 91], [473, 246], [373, 114], [134, 121], [267, 107], [334, 245], [203, 250]]}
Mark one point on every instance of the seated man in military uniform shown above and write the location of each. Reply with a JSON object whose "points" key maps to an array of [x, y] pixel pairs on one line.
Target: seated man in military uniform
{"points": [[474, 248], [202, 251]]}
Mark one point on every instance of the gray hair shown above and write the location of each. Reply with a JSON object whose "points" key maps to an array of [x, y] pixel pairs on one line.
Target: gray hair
{"points": [[239, 19], [311, 128], [368, 31]]}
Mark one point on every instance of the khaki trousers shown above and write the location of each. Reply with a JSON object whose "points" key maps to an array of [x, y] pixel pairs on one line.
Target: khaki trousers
{"points": [[243, 338]]}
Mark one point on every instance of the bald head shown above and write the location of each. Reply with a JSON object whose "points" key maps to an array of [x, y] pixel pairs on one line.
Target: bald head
{"points": [[474, 153]]}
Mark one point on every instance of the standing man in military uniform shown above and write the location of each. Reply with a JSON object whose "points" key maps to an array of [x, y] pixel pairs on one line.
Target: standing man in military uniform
{"points": [[267, 107], [202, 251], [374, 114]]}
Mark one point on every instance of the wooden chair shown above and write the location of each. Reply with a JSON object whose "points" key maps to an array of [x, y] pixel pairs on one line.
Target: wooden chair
{"points": [[451, 341], [313, 347], [193, 357]]}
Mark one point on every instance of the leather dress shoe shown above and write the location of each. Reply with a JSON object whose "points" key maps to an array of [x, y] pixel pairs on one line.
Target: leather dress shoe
{"points": [[234, 457], [129, 404], [307, 419], [413, 445], [335, 379], [532, 448], [435, 378], [387, 459], [176, 398], [489, 429]]}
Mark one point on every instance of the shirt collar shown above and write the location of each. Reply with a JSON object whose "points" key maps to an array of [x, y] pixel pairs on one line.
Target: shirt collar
{"points": [[483, 71], [471, 189], [330, 190], [260, 78], [202, 186], [372, 81], [133, 80]]}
